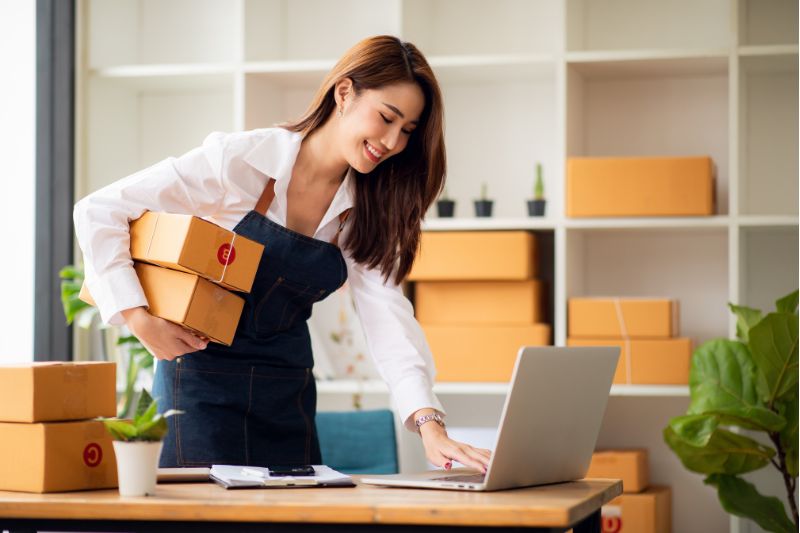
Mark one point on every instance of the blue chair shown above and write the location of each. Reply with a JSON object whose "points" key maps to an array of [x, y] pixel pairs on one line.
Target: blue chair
{"points": [[358, 442]]}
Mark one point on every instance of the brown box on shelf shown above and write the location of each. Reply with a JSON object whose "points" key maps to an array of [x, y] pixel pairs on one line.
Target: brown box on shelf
{"points": [[640, 186], [480, 353], [651, 361], [45, 392], [188, 300], [647, 512], [56, 456], [628, 465], [475, 255], [197, 246], [614, 317], [479, 302]]}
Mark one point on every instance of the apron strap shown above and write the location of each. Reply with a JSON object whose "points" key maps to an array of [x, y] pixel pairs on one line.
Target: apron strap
{"points": [[342, 218], [266, 197]]}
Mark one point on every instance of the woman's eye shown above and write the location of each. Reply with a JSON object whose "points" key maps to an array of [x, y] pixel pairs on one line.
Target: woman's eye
{"points": [[406, 132], [386, 120]]}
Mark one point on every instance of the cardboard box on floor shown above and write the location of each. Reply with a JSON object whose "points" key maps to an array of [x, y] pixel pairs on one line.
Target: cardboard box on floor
{"points": [[612, 317], [43, 392], [56, 456], [628, 465], [480, 353], [647, 512], [188, 300], [197, 246], [479, 302], [640, 186], [475, 255], [652, 361]]}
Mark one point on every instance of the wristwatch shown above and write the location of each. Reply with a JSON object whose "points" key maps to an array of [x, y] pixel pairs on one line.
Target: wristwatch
{"points": [[427, 418]]}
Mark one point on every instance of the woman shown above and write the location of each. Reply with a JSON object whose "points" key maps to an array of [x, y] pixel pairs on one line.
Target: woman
{"points": [[340, 193]]}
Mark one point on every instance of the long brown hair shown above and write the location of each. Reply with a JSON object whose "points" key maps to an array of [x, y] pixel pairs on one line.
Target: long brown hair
{"points": [[390, 201]]}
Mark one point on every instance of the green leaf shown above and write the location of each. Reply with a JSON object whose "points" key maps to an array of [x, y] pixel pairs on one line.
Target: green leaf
{"points": [[71, 272], [695, 429], [145, 402], [120, 429], [723, 383], [725, 453], [773, 344], [787, 304], [788, 408], [741, 498], [746, 318]]}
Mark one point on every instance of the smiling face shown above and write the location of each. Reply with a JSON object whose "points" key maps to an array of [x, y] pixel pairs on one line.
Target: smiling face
{"points": [[377, 123]]}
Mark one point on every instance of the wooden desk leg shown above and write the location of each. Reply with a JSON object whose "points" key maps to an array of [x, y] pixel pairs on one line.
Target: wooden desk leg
{"points": [[590, 524]]}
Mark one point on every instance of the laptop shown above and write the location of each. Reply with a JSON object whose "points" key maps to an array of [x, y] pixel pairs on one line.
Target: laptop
{"points": [[548, 427]]}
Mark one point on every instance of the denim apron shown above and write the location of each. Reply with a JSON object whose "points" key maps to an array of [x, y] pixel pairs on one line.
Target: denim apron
{"points": [[254, 402]]}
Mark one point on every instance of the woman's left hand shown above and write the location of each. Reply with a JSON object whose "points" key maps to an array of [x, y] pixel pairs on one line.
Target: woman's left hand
{"points": [[441, 450]]}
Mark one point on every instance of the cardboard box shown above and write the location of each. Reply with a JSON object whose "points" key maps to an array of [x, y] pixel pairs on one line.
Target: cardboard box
{"points": [[43, 392], [56, 456], [646, 512], [614, 317], [475, 255], [188, 300], [480, 353], [479, 302], [628, 465], [197, 246], [651, 361], [640, 186]]}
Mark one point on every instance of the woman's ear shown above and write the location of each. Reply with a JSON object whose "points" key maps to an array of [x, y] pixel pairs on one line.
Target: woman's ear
{"points": [[343, 92]]}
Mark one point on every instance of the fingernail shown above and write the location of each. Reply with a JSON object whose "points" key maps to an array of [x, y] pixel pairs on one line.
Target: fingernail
{"points": [[448, 465]]}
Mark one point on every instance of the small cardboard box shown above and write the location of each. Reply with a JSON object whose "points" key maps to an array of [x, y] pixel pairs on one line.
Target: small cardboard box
{"points": [[615, 317], [188, 300], [46, 392], [480, 353], [647, 512], [196, 246], [475, 255], [479, 302], [649, 361], [56, 456], [640, 186], [628, 465]]}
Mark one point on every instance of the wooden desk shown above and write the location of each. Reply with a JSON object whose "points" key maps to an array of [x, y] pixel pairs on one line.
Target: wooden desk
{"points": [[199, 507]]}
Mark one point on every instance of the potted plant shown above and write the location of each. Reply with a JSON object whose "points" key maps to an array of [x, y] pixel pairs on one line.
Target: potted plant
{"points": [[749, 383], [445, 207], [537, 205], [137, 446], [483, 206]]}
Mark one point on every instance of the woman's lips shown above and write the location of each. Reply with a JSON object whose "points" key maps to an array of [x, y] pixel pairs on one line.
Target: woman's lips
{"points": [[373, 153]]}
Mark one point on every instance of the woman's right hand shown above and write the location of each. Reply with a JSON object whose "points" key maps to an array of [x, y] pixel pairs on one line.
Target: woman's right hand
{"points": [[162, 338]]}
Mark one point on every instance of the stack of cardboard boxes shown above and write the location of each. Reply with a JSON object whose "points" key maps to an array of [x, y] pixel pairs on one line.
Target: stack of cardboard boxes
{"points": [[186, 264], [47, 441], [645, 329], [641, 508], [478, 300]]}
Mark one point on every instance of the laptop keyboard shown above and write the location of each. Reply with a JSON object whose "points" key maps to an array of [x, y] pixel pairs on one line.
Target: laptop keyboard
{"points": [[464, 478]]}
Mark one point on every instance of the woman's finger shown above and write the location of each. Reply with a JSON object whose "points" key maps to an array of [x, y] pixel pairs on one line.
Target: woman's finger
{"points": [[461, 455]]}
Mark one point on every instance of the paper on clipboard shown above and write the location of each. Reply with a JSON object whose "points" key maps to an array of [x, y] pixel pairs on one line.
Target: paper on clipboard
{"points": [[240, 477]]}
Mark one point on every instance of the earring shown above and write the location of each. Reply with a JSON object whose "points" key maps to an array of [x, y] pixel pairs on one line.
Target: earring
{"points": [[340, 112]]}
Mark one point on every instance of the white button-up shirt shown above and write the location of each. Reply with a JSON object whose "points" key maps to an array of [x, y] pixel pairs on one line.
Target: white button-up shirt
{"points": [[221, 181]]}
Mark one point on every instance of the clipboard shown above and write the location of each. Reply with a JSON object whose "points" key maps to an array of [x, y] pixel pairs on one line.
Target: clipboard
{"points": [[251, 477]]}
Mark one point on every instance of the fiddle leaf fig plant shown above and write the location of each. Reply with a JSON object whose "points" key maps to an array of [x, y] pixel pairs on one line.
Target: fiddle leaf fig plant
{"points": [[749, 383], [148, 425]]}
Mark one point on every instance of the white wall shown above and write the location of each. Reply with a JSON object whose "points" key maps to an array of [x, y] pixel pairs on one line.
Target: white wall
{"points": [[17, 178]]}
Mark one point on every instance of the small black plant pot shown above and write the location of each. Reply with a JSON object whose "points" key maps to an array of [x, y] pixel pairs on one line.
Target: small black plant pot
{"points": [[445, 208], [536, 208], [483, 208]]}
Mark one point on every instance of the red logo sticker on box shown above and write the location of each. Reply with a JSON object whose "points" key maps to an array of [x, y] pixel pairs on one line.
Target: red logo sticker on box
{"points": [[611, 519], [92, 454], [226, 254]]}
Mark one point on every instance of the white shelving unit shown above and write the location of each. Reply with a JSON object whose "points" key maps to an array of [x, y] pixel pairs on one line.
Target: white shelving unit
{"points": [[524, 81]]}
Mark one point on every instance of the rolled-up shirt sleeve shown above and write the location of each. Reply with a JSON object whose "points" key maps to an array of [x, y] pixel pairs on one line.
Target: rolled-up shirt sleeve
{"points": [[190, 184], [395, 341]]}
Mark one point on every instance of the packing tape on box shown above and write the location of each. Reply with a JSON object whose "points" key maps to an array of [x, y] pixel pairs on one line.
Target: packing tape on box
{"points": [[227, 258], [625, 338], [152, 235], [74, 405]]}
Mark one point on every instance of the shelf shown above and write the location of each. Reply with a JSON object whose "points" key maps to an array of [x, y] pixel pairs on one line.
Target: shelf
{"points": [[649, 63], [768, 50], [776, 221], [487, 224], [717, 221], [168, 76]]}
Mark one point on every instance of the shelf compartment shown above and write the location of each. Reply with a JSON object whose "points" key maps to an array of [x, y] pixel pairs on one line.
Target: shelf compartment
{"points": [[633, 24], [768, 23], [687, 264], [450, 27], [635, 113], [648, 63], [129, 32], [768, 265], [768, 135], [293, 29]]}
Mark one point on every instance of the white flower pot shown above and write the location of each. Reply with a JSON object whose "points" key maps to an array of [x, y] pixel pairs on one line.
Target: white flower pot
{"points": [[137, 467]]}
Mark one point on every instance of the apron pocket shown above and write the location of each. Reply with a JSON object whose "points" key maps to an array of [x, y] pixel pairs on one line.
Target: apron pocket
{"points": [[283, 304]]}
